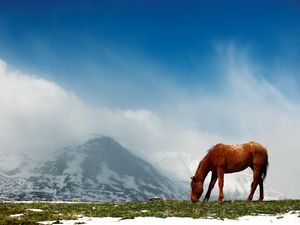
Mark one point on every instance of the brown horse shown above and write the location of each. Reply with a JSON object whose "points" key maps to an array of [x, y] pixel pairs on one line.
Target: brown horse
{"points": [[224, 158]]}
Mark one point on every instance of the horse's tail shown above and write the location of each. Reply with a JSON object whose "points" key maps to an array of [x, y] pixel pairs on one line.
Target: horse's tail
{"points": [[265, 169]]}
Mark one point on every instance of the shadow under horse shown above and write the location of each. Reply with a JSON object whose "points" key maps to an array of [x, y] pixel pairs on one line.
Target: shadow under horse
{"points": [[223, 158]]}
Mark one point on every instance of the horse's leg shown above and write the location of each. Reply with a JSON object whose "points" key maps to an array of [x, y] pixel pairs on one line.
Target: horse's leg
{"points": [[221, 183], [211, 185], [256, 179], [261, 189]]}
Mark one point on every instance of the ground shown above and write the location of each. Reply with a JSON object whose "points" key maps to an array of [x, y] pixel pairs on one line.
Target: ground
{"points": [[31, 213]]}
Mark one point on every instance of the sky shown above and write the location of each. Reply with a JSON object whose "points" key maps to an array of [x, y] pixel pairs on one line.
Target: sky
{"points": [[168, 80]]}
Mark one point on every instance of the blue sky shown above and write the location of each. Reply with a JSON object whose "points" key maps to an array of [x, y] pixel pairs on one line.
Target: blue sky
{"points": [[99, 48]]}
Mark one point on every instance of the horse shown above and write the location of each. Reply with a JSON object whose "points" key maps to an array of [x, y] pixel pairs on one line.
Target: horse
{"points": [[223, 158]]}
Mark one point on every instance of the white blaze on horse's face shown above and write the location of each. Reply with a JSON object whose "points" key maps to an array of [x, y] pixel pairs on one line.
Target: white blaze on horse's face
{"points": [[196, 189]]}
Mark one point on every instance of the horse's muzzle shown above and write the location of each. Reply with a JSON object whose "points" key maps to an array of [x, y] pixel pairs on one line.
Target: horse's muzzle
{"points": [[194, 200]]}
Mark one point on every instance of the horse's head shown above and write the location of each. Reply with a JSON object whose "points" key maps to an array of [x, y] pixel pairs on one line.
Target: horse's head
{"points": [[196, 189]]}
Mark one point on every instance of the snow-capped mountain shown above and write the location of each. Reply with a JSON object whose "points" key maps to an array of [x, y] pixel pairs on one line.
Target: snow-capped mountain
{"points": [[99, 169]]}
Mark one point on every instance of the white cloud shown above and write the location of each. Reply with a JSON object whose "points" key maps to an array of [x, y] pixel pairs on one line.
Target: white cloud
{"points": [[249, 107], [38, 115]]}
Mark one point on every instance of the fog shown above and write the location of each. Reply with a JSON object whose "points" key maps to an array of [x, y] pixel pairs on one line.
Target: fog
{"points": [[39, 116]]}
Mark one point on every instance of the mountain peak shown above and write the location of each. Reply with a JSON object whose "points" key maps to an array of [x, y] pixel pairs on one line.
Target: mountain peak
{"points": [[100, 169], [103, 139]]}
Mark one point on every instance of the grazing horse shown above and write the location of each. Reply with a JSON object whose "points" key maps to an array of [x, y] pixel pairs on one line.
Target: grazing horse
{"points": [[224, 158]]}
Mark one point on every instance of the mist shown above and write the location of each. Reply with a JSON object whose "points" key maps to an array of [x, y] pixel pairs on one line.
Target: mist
{"points": [[39, 116]]}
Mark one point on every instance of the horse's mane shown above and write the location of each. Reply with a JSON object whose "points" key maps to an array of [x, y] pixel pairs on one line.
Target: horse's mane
{"points": [[199, 165], [211, 149], [208, 151]]}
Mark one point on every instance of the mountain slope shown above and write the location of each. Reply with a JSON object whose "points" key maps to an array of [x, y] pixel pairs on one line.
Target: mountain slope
{"points": [[97, 170]]}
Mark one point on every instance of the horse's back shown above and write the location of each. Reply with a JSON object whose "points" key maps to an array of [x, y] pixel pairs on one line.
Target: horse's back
{"points": [[238, 157], [231, 158]]}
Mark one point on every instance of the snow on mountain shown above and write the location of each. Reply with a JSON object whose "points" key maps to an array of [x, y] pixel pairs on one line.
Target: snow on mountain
{"points": [[237, 186], [99, 169]]}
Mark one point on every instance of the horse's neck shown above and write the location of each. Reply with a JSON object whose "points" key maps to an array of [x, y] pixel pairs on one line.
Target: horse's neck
{"points": [[202, 170]]}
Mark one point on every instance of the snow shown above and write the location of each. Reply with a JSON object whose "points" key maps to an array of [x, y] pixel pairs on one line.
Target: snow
{"points": [[35, 210], [47, 222], [288, 218], [32, 182], [49, 202], [144, 210], [17, 215]]}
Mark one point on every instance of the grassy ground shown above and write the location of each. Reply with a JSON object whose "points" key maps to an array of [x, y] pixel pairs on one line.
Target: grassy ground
{"points": [[158, 208]]}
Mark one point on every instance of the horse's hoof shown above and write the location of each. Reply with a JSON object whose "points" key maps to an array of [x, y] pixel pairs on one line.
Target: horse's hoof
{"points": [[220, 199]]}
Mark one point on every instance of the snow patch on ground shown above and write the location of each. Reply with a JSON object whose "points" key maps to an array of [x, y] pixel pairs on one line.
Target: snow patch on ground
{"points": [[288, 218], [17, 215], [35, 210]]}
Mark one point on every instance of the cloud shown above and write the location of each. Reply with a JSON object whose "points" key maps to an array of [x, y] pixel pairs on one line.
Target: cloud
{"points": [[35, 113], [39, 116], [250, 107]]}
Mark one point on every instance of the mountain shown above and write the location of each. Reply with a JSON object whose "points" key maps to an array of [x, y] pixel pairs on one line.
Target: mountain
{"points": [[99, 169]]}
